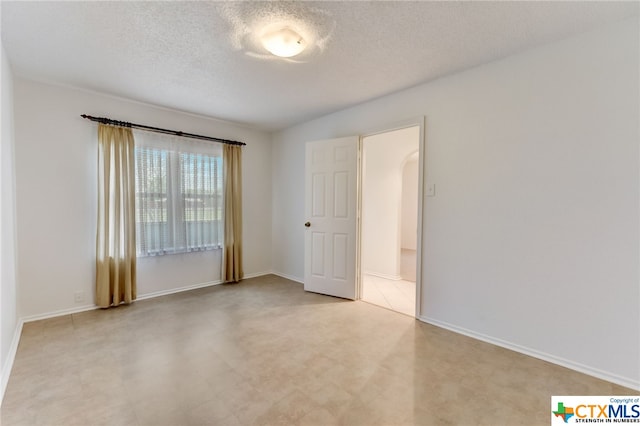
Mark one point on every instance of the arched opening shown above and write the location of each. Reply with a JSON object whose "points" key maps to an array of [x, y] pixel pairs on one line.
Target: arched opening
{"points": [[389, 219]]}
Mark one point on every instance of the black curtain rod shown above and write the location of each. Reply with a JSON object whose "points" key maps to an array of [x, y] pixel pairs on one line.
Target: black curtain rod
{"points": [[104, 120]]}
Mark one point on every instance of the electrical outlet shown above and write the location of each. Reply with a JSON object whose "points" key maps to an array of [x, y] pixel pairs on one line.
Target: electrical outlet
{"points": [[78, 297]]}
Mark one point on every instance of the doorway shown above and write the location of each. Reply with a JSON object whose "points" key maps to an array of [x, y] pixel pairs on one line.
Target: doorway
{"points": [[389, 218]]}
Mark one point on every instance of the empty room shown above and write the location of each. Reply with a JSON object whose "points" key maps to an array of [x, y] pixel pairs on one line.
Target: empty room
{"points": [[319, 213]]}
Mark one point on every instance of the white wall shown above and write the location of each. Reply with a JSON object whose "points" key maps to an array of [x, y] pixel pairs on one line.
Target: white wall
{"points": [[384, 155], [56, 181], [532, 238], [8, 300], [409, 209]]}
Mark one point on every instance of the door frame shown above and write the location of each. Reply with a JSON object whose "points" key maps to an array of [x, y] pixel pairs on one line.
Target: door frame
{"points": [[419, 122]]}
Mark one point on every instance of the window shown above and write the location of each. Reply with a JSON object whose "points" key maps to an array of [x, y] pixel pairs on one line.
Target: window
{"points": [[179, 193]]}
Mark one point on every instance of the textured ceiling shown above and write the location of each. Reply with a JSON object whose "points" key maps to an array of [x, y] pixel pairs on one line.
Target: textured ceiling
{"points": [[203, 57]]}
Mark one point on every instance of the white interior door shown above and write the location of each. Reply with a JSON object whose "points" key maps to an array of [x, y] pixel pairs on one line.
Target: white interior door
{"points": [[330, 211]]}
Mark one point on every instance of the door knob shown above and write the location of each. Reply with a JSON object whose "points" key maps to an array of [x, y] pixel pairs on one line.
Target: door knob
{"points": [[307, 224]]}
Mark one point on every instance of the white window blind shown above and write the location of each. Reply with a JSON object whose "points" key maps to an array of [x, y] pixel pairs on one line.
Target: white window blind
{"points": [[179, 190]]}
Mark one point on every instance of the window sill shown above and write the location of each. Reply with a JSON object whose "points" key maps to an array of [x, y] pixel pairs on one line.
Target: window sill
{"points": [[169, 253]]}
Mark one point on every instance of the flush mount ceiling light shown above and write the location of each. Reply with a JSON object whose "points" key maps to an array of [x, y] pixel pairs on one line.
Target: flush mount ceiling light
{"points": [[291, 31], [283, 42]]}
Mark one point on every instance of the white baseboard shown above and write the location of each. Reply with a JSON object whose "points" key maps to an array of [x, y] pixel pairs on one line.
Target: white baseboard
{"points": [[289, 277], [257, 274], [177, 290], [59, 313], [11, 356], [76, 310], [585, 369], [385, 276], [151, 295]]}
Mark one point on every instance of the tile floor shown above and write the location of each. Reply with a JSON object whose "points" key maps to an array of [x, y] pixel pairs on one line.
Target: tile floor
{"points": [[397, 295], [264, 352]]}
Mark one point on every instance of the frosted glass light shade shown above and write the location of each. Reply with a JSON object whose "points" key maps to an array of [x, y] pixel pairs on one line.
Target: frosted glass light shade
{"points": [[284, 42]]}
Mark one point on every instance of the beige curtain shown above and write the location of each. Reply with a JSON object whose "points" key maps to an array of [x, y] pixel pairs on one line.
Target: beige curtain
{"points": [[232, 260], [116, 237]]}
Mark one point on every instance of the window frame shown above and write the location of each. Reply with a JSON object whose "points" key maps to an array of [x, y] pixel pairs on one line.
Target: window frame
{"points": [[175, 237]]}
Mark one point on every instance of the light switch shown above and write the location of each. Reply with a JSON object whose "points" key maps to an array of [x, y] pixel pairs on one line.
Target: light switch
{"points": [[431, 190]]}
